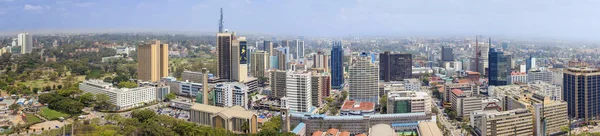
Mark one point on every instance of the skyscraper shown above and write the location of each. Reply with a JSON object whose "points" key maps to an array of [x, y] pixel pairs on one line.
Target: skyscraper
{"points": [[224, 55], [395, 66], [26, 42], [278, 83], [499, 68], [293, 46], [259, 64], [581, 90], [300, 50], [239, 59], [299, 91], [268, 47], [447, 54], [337, 65], [282, 60], [321, 60], [153, 61], [316, 89], [530, 63], [363, 80]]}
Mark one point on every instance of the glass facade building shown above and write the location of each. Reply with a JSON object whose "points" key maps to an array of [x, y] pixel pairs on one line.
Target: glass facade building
{"points": [[337, 65], [395, 66], [499, 68], [581, 91]]}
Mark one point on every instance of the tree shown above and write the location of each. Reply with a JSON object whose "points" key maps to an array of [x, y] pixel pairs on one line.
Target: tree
{"points": [[14, 107], [108, 79], [103, 102], [143, 115], [245, 126], [87, 99], [68, 106], [127, 84], [49, 98], [171, 96], [383, 103], [47, 88], [36, 90], [566, 129]]}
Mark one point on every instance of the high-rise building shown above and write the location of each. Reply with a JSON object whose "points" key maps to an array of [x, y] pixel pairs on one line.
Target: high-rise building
{"points": [[224, 55], [285, 43], [326, 88], [293, 46], [278, 83], [230, 94], [300, 50], [530, 63], [153, 61], [499, 68], [337, 66], [299, 91], [317, 89], [581, 90], [395, 66], [502, 123], [447, 54], [268, 47], [321, 61], [239, 60], [26, 42], [363, 80], [282, 60], [259, 64]]}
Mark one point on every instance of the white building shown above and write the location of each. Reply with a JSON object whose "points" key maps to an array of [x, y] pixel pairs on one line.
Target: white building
{"points": [[412, 84], [554, 92], [231, 93], [539, 75], [26, 42], [298, 91], [503, 123], [519, 77], [408, 102], [124, 50], [123, 98], [364, 80]]}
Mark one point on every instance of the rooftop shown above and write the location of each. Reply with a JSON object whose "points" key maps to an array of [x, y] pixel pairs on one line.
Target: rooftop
{"points": [[381, 130], [429, 129], [232, 112], [351, 105], [457, 91]]}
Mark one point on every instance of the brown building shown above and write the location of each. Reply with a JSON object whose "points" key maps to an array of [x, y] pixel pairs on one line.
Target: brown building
{"points": [[153, 61], [224, 55]]}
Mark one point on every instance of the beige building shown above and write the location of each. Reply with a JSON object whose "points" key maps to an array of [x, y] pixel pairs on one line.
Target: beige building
{"points": [[448, 87], [278, 83], [153, 61], [259, 63], [408, 102], [505, 123], [429, 129], [363, 81], [230, 119], [239, 66], [544, 109], [317, 89], [464, 103]]}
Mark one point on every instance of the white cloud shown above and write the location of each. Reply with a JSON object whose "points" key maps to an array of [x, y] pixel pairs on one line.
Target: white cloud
{"points": [[32, 7], [85, 4]]}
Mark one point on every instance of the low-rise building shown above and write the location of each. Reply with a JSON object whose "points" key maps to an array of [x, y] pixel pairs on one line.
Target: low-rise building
{"points": [[464, 103], [408, 102], [429, 129], [230, 94], [122, 98], [518, 77], [231, 118], [502, 123], [469, 86], [546, 89], [412, 84], [353, 108]]}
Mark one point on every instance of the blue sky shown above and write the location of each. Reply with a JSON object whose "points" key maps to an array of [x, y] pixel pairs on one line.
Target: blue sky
{"points": [[571, 19]]}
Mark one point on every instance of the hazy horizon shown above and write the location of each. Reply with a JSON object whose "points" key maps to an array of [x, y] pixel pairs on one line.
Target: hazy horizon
{"points": [[572, 20]]}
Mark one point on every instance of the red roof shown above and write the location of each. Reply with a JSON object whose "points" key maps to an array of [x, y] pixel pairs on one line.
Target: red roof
{"points": [[457, 91], [472, 73], [345, 133], [464, 81], [317, 133], [517, 73], [333, 131], [349, 105]]}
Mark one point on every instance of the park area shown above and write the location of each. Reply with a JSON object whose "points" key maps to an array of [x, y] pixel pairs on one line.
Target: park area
{"points": [[32, 119], [50, 114]]}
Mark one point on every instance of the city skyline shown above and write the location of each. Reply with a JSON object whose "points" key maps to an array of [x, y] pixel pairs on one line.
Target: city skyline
{"points": [[536, 19]]}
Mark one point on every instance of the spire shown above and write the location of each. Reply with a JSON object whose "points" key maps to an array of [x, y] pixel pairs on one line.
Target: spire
{"points": [[221, 22]]}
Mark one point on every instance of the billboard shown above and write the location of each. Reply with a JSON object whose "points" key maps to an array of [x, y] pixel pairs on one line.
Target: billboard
{"points": [[243, 55]]}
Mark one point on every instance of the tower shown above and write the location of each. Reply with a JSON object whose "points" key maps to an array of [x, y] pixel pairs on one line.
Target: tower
{"points": [[224, 41], [363, 80], [221, 22], [153, 61], [337, 67]]}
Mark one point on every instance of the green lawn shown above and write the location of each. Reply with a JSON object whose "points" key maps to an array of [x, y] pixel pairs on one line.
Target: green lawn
{"points": [[50, 114], [32, 119]]}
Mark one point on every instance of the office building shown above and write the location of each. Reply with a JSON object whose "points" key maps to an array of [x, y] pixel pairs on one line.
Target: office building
{"points": [[326, 86], [317, 84], [321, 61], [122, 98], [278, 83], [231, 94], [518, 77], [502, 123], [554, 92], [581, 90], [408, 102], [26, 42], [228, 118], [259, 64], [530, 63], [499, 68], [412, 84], [534, 75], [448, 87], [299, 91], [363, 80], [548, 115], [192, 76], [224, 42], [239, 60], [447, 54], [337, 66], [188, 88], [153, 61], [394, 66], [268, 47], [464, 103]]}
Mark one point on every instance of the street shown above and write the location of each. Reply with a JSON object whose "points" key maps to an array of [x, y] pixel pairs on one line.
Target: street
{"points": [[444, 120]]}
